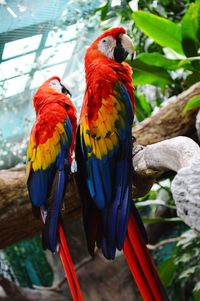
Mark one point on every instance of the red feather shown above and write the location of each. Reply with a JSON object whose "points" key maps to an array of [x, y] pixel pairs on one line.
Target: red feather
{"points": [[141, 264], [69, 266]]}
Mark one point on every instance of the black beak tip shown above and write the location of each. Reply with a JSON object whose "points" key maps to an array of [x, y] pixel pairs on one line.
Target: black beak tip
{"points": [[132, 56], [65, 90]]}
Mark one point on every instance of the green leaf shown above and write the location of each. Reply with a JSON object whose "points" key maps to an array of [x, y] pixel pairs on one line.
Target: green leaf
{"points": [[166, 270], [161, 30], [196, 295], [194, 102], [157, 59], [187, 272], [186, 64], [197, 287], [148, 74], [154, 220], [143, 108], [104, 10], [196, 291], [190, 30]]}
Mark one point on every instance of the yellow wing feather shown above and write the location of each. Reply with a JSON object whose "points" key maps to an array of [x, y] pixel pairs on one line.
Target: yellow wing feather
{"points": [[41, 156], [100, 136]]}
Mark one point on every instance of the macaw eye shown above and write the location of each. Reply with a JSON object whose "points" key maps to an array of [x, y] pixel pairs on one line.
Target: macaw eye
{"points": [[103, 41]]}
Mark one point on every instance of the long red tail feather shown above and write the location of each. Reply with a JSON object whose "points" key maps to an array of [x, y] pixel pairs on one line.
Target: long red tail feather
{"points": [[142, 266], [68, 266]]}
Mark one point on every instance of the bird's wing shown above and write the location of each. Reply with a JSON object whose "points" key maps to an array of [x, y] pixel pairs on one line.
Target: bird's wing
{"points": [[47, 167], [106, 145]]}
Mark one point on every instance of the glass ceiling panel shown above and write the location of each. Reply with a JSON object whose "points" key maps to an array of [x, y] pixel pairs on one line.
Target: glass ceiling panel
{"points": [[15, 85], [40, 41], [59, 35], [21, 46], [15, 67], [56, 55], [43, 74]]}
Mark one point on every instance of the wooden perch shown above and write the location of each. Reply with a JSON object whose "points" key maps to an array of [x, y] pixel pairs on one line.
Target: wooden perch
{"points": [[153, 160], [16, 219], [186, 192], [198, 124], [169, 121], [181, 155]]}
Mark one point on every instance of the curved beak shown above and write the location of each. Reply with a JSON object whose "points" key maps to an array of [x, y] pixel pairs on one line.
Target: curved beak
{"points": [[65, 90], [128, 45], [124, 47]]}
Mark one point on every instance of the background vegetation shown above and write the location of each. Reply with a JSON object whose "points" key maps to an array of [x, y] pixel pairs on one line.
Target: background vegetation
{"points": [[167, 41]]}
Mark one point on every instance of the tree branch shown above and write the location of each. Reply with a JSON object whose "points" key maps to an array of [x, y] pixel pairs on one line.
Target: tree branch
{"points": [[153, 160], [16, 219], [17, 293], [164, 242], [169, 121]]}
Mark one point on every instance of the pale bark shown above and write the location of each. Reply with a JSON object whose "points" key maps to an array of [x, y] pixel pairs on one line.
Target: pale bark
{"points": [[181, 155], [186, 192], [198, 124], [155, 159]]}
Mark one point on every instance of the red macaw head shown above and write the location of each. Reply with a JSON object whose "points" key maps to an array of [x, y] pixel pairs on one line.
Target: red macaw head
{"points": [[53, 91], [50, 91], [113, 44]]}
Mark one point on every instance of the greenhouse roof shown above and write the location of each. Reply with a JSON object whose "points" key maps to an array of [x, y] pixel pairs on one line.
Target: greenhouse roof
{"points": [[37, 42]]}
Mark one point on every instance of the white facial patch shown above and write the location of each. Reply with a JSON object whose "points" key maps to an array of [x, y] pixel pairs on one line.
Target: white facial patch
{"points": [[55, 84], [107, 46]]}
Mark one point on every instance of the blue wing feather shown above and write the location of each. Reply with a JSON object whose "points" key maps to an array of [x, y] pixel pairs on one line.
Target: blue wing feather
{"points": [[50, 229], [109, 181], [46, 188], [38, 185]]}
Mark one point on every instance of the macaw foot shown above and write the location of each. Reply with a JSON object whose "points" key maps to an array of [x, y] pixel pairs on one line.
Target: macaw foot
{"points": [[137, 149], [133, 139], [43, 214]]}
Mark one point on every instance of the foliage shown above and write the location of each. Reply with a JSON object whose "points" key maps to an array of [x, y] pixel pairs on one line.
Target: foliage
{"points": [[166, 36], [180, 272], [166, 33], [188, 67], [178, 262], [175, 39], [29, 263], [194, 102]]}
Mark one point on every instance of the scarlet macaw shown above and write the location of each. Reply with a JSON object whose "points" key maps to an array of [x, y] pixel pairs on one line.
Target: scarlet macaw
{"points": [[104, 161], [49, 157]]}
